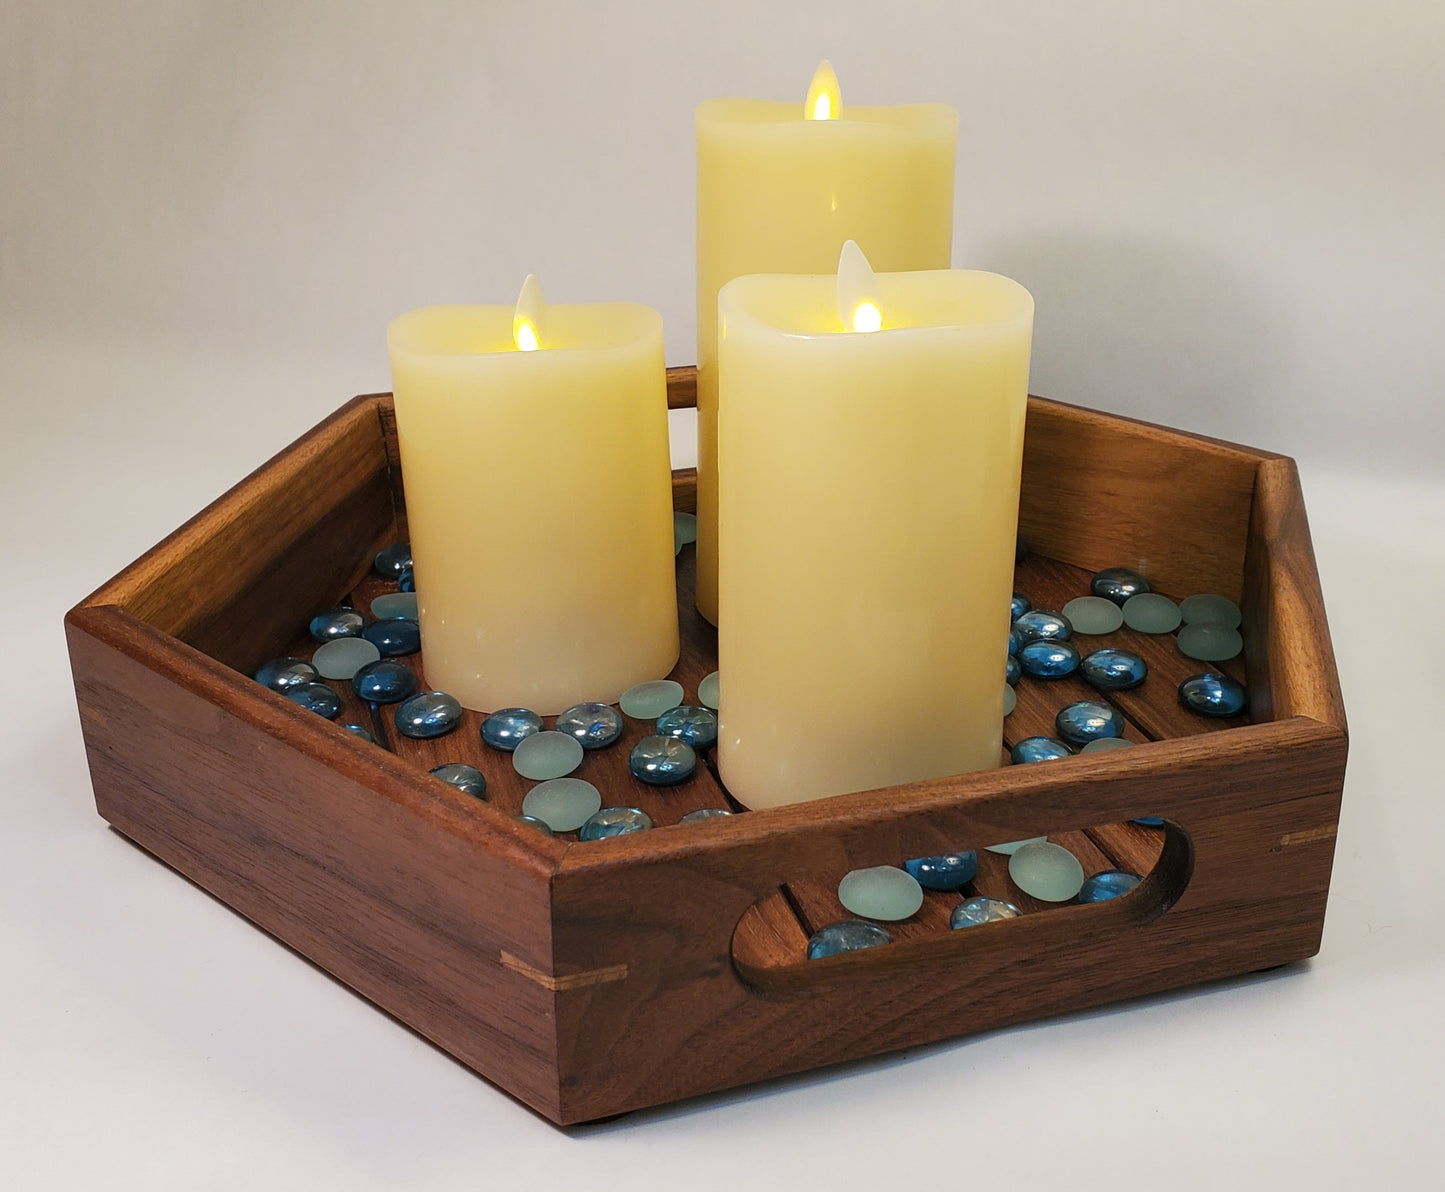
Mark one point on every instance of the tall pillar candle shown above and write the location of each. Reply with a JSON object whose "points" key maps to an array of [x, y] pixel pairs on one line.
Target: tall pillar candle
{"points": [[539, 497], [780, 187], [867, 515]]}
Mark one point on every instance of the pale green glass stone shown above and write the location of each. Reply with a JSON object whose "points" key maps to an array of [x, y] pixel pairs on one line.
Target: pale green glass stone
{"points": [[1010, 699], [394, 604], [1209, 643], [1104, 744], [884, 892], [684, 528], [1048, 872], [1149, 612], [342, 657], [1093, 614], [1013, 846], [1212, 608], [648, 701], [707, 691], [547, 755], [563, 804]]}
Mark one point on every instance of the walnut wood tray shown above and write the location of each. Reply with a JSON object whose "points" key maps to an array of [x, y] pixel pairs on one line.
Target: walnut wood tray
{"points": [[591, 979]]}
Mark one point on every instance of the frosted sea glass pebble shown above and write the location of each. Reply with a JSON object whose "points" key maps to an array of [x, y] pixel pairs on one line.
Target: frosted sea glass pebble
{"points": [[463, 777], [1149, 612], [882, 892], [394, 604], [1009, 848], [343, 657], [1208, 642], [684, 528], [1212, 608], [707, 691], [1010, 699], [972, 912], [547, 755], [1046, 871], [563, 804], [1093, 614], [851, 935], [1104, 744], [615, 821], [704, 813], [648, 701]]}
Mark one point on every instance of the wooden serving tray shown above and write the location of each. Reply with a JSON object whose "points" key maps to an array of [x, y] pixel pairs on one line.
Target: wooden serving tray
{"points": [[591, 979]]}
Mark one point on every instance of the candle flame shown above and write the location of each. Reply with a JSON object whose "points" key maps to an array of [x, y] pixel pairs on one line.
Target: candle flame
{"points": [[528, 316], [824, 99], [856, 287], [867, 317]]}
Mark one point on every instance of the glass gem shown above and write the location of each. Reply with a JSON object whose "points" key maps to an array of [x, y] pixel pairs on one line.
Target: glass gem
{"points": [[506, 728], [428, 714], [972, 912], [359, 731], [1149, 821], [1012, 670], [1009, 848], [337, 622], [546, 755], [697, 726], [1207, 642], [563, 804], [1021, 549], [533, 822], [648, 701], [1149, 612], [851, 935], [1041, 624], [707, 691], [1211, 608], [1046, 871], [948, 871], [281, 673], [384, 682], [1106, 885], [882, 892], [662, 761], [1019, 605], [615, 821], [704, 813], [394, 638], [1015, 642], [394, 604], [684, 527], [392, 560], [464, 777], [1093, 614], [406, 581], [1112, 669], [595, 726], [1104, 744], [1212, 694], [1048, 659], [1039, 749], [315, 697], [1088, 720], [1118, 584], [1010, 699], [342, 657]]}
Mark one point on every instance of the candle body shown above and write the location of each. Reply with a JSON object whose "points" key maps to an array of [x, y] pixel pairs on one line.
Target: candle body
{"points": [[867, 519], [539, 498], [780, 194]]}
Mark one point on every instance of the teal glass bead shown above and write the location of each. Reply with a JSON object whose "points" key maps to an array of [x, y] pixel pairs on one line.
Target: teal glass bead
{"points": [[390, 605], [707, 691], [315, 697], [1112, 669], [533, 822], [426, 715], [1018, 606], [506, 728], [1041, 624], [1088, 720], [1118, 584], [1111, 883], [465, 778], [1206, 642], [281, 673], [947, 871], [394, 638], [357, 730], [1149, 612], [563, 804], [688, 722], [704, 813], [881, 892], [1048, 659], [615, 821], [384, 682], [1149, 821], [1212, 694], [342, 657], [1046, 871], [595, 726], [973, 912], [337, 622], [1208, 607], [547, 755], [662, 761], [648, 701], [1093, 615], [1015, 642], [406, 581], [1039, 749], [392, 560], [1012, 671], [851, 935]]}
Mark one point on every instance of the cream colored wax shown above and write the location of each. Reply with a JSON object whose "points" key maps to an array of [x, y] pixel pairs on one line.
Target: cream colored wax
{"points": [[778, 191], [868, 507], [538, 491]]}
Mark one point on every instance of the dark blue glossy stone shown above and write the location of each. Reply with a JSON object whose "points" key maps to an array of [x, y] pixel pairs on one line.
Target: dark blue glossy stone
{"points": [[1018, 606], [358, 730], [949, 871], [506, 728], [315, 697], [1012, 671], [1113, 669], [1212, 694], [462, 776], [384, 682], [1042, 624], [1088, 720], [1039, 749], [1118, 584], [662, 761], [406, 581], [697, 726], [615, 821], [337, 622], [1048, 659], [429, 714], [1021, 549], [851, 935], [1015, 642], [1150, 821], [395, 637], [1109, 884], [595, 726], [281, 673], [392, 560]]}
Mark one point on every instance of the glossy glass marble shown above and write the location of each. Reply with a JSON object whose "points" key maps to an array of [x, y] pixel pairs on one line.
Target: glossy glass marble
{"points": [[1112, 669], [506, 728], [1046, 871], [1019, 605], [1042, 624], [1104, 744], [426, 715], [392, 560], [851, 935], [882, 892], [662, 761], [704, 813], [1101, 887], [1118, 584], [394, 604], [1048, 659], [546, 755], [1009, 848], [1039, 749], [1093, 614], [615, 821], [707, 691], [973, 912], [1012, 671], [1212, 694], [1015, 642], [1088, 720], [384, 682], [1207, 642], [697, 726], [648, 701], [1150, 612], [948, 871], [343, 657], [533, 822], [360, 731], [1217, 610], [1149, 821], [462, 776], [406, 581], [684, 527], [315, 697], [563, 804], [281, 673], [1010, 699], [394, 638], [595, 726], [337, 622]]}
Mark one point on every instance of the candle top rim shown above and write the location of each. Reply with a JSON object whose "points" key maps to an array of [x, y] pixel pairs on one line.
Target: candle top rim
{"points": [[475, 330], [764, 114]]}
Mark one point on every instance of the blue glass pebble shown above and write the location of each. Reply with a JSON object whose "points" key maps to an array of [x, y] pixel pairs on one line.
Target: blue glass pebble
{"points": [[337, 622], [392, 560], [315, 697], [1039, 749], [1021, 549], [533, 822], [384, 682], [1212, 694], [394, 638], [1118, 584], [359, 731], [1012, 671], [615, 821], [406, 581], [506, 728], [662, 761], [704, 813], [1106, 885], [429, 714], [1048, 659], [1088, 720], [1149, 821], [1042, 624], [281, 673], [697, 726], [851, 935], [972, 912], [462, 776], [595, 726], [1018, 606], [1015, 642], [948, 871], [1112, 669]]}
